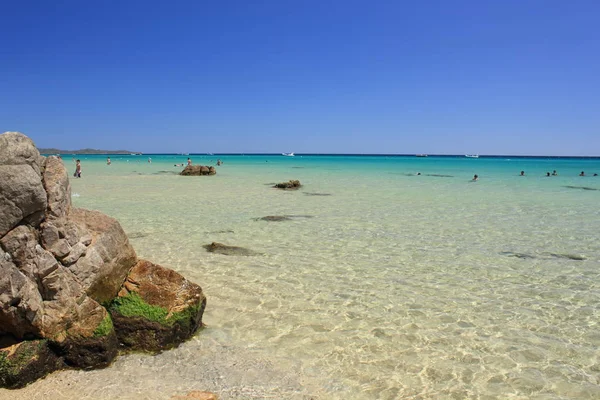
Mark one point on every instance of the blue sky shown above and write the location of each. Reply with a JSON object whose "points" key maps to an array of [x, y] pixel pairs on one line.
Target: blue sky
{"points": [[437, 77]]}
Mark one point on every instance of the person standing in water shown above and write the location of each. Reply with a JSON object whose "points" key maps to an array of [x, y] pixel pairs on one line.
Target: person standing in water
{"points": [[77, 173], [189, 162], [107, 160]]}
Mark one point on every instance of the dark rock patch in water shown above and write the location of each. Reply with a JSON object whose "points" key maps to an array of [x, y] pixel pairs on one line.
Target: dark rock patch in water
{"points": [[575, 257], [166, 173], [279, 218], [317, 194], [137, 235], [226, 250], [289, 185], [518, 255], [274, 218], [581, 187]]}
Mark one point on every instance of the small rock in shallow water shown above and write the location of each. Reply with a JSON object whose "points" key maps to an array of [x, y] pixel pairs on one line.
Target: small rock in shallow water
{"points": [[518, 255], [575, 257], [581, 187], [273, 218], [226, 250]]}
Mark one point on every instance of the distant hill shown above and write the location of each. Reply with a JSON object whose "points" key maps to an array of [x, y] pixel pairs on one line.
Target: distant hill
{"points": [[86, 151]]}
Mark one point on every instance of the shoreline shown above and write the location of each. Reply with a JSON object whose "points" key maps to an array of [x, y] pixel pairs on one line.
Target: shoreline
{"points": [[230, 372]]}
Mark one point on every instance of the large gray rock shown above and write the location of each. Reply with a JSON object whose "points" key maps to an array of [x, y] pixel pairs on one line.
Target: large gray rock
{"points": [[21, 305], [108, 258], [22, 195], [18, 149], [58, 188]]}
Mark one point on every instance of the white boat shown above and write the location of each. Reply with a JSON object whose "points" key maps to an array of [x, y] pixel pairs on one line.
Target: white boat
{"points": [[288, 154], [472, 155], [420, 155]]}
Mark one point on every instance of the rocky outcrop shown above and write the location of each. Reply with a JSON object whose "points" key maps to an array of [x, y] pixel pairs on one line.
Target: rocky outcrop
{"points": [[289, 185], [60, 265], [197, 170]]}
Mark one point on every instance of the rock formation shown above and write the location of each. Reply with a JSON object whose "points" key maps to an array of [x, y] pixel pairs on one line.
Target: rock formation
{"points": [[197, 170], [61, 268]]}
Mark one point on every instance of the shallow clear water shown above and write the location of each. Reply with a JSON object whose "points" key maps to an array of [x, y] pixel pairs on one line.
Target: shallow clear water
{"points": [[385, 284]]}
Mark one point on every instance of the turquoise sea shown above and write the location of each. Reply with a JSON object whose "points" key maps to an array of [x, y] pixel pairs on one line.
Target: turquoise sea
{"points": [[384, 284]]}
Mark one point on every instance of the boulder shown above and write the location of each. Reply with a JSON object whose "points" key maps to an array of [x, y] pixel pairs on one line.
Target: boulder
{"points": [[25, 362], [91, 341], [21, 304], [58, 188], [22, 195], [197, 170], [108, 258], [156, 308]]}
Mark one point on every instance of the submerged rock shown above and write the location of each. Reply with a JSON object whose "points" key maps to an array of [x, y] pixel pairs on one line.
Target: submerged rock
{"points": [[581, 187], [274, 218], [289, 185], [224, 249], [518, 255], [575, 257], [279, 218]]}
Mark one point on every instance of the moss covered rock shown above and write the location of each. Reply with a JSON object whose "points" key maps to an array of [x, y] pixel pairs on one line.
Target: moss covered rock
{"points": [[89, 343], [25, 362], [156, 309]]}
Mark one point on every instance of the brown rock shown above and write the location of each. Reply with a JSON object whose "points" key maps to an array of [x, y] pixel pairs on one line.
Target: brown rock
{"points": [[178, 304], [90, 342], [25, 362], [197, 170], [290, 185]]}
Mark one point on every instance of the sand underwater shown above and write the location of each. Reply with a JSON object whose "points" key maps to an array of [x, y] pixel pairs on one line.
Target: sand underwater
{"points": [[380, 284]]}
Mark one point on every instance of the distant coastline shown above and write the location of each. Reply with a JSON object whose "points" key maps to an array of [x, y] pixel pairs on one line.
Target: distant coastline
{"points": [[86, 151]]}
